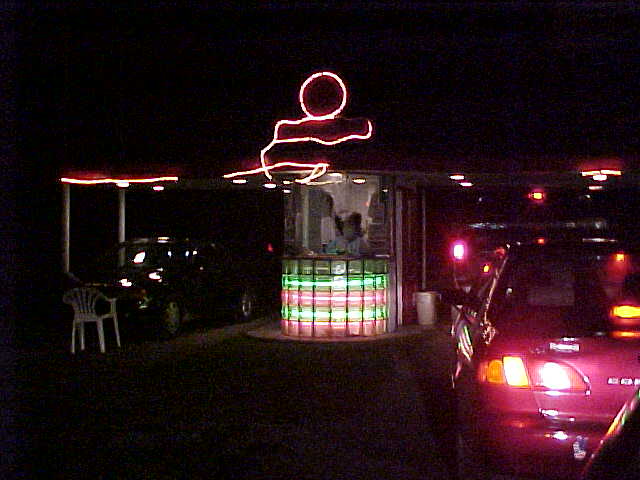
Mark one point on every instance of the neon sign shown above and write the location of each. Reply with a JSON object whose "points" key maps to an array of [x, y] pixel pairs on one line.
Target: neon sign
{"points": [[322, 98], [78, 181]]}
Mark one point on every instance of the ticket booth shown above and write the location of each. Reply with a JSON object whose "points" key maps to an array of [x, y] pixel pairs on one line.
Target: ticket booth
{"points": [[337, 268]]}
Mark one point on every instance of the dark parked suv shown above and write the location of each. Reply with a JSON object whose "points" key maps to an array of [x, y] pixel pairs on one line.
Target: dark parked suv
{"points": [[170, 282], [547, 347]]}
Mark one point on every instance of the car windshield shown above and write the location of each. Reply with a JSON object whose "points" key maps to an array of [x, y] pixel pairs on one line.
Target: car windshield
{"points": [[564, 292]]}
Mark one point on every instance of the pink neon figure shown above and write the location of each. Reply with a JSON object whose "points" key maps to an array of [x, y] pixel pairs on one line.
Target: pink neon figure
{"points": [[320, 124]]}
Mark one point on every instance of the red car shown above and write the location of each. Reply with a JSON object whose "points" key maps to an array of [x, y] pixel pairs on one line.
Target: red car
{"points": [[547, 351]]}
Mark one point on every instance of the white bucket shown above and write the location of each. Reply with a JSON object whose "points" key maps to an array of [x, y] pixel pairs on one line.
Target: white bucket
{"points": [[427, 303]]}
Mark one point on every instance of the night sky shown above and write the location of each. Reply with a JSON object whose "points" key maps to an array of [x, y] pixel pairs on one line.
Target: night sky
{"points": [[202, 87], [501, 86]]}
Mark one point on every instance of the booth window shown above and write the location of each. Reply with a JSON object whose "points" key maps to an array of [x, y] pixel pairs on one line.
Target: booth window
{"points": [[317, 216]]}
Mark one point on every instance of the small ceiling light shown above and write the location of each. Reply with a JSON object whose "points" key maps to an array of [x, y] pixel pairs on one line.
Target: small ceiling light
{"points": [[600, 177], [155, 276], [139, 257], [359, 181], [596, 187], [270, 185], [122, 184], [615, 173], [466, 184], [457, 177], [286, 182], [286, 190], [158, 188], [239, 181]]}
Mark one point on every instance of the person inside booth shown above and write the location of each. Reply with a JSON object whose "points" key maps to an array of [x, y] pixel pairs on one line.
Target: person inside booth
{"points": [[350, 239]]}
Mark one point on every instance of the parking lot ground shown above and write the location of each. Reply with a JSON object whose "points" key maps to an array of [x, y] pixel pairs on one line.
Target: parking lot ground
{"points": [[217, 403]]}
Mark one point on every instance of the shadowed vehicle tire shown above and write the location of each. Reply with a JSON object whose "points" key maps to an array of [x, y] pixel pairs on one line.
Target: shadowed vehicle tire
{"points": [[171, 318], [471, 463], [246, 306]]}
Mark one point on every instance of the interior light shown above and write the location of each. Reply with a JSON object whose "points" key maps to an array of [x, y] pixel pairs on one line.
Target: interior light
{"points": [[286, 190], [158, 188], [457, 177], [486, 268], [125, 282], [466, 184], [600, 177], [541, 240], [286, 182], [163, 239], [620, 257], [139, 257], [359, 181], [239, 181], [270, 185], [122, 184], [155, 276], [596, 187], [335, 175], [611, 172]]}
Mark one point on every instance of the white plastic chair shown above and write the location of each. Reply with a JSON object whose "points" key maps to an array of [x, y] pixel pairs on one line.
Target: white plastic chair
{"points": [[84, 300]]}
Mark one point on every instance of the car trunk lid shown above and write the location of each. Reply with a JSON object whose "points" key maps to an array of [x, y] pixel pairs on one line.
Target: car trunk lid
{"points": [[609, 366]]}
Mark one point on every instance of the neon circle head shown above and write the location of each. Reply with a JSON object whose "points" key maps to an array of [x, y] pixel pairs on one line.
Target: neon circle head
{"points": [[323, 96]]}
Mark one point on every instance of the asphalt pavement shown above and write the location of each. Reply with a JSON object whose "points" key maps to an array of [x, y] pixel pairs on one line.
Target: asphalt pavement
{"points": [[220, 403]]}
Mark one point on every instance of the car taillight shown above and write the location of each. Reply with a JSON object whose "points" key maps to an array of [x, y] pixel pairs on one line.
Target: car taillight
{"points": [[533, 374], [625, 315], [507, 371]]}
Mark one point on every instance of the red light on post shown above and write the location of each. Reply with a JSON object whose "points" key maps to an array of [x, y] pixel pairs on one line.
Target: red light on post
{"points": [[538, 196], [459, 250]]}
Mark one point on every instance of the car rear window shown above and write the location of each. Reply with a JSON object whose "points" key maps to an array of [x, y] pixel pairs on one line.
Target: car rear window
{"points": [[564, 292]]}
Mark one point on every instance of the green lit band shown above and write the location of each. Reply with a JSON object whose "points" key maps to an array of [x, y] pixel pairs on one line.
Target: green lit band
{"points": [[324, 297]]}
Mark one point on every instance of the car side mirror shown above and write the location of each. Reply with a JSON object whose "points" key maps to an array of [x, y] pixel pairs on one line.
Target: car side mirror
{"points": [[456, 296]]}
